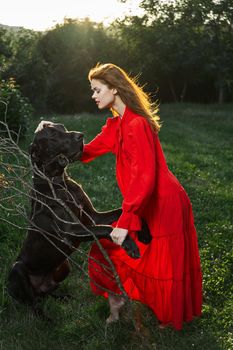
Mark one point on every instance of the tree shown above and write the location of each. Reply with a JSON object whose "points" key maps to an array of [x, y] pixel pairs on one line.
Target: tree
{"points": [[5, 50], [27, 66], [164, 48], [191, 46], [70, 50], [219, 19], [15, 110]]}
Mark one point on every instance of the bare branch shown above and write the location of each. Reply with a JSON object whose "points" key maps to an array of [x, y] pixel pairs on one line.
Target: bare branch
{"points": [[17, 191]]}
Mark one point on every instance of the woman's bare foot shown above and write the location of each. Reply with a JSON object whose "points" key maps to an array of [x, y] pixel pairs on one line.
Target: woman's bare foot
{"points": [[162, 326], [115, 303], [165, 325]]}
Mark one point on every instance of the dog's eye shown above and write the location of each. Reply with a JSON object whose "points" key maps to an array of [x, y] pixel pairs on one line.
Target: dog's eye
{"points": [[53, 133]]}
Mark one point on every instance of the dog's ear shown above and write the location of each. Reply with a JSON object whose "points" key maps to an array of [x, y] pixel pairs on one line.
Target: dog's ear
{"points": [[33, 151]]}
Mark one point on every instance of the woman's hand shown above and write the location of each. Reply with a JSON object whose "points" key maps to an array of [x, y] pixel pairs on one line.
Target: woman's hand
{"points": [[118, 235]]}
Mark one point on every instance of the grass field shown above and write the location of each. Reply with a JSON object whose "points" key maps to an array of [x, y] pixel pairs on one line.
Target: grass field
{"points": [[198, 144]]}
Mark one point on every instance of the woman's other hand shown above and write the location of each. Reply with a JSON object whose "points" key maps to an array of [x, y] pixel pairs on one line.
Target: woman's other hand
{"points": [[118, 235]]}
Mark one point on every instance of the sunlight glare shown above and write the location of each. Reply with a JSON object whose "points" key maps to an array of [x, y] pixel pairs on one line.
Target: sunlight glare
{"points": [[44, 14]]}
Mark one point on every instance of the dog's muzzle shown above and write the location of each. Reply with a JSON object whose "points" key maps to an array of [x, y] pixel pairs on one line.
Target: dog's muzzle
{"points": [[78, 154]]}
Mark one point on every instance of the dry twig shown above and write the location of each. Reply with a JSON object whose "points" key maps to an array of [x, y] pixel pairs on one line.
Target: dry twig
{"points": [[16, 192]]}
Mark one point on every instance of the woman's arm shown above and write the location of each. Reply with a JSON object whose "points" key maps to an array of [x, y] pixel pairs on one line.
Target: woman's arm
{"points": [[139, 143], [103, 143]]}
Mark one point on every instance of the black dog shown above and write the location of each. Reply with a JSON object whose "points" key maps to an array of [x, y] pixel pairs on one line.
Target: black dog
{"points": [[62, 216]]}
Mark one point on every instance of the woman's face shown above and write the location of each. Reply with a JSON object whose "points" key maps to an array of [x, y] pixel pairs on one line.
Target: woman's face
{"points": [[102, 94]]}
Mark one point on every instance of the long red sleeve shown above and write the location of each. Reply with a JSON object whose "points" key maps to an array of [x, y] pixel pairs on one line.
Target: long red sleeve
{"points": [[139, 147], [133, 143], [103, 142]]}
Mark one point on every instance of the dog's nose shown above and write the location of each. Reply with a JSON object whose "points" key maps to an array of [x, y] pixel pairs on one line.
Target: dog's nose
{"points": [[78, 136]]}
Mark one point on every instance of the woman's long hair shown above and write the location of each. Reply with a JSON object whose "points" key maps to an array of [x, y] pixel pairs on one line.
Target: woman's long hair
{"points": [[129, 91]]}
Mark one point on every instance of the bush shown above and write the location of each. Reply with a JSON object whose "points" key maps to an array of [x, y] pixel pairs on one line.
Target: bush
{"points": [[15, 109]]}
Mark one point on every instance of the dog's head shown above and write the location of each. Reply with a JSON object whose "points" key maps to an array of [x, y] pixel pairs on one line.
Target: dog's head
{"points": [[53, 147]]}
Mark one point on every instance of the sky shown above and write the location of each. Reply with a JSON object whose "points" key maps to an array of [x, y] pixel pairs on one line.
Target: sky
{"points": [[44, 14]]}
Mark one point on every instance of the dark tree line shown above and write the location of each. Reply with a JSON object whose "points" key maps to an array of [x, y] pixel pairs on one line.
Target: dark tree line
{"points": [[183, 51]]}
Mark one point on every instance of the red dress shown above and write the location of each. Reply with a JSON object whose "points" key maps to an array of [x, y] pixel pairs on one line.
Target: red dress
{"points": [[168, 276]]}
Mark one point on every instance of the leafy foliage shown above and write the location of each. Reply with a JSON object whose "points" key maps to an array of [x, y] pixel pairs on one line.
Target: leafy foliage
{"points": [[184, 46], [182, 49], [27, 67], [70, 50], [15, 110]]}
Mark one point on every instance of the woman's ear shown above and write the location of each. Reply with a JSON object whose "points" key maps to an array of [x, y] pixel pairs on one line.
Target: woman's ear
{"points": [[114, 91]]}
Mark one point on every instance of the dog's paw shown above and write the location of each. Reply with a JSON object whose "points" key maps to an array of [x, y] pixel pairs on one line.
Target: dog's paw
{"points": [[144, 235], [144, 238], [131, 248]]}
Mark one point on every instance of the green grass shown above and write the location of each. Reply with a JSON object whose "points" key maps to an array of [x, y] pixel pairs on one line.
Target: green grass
{"points": [[198, 143]]}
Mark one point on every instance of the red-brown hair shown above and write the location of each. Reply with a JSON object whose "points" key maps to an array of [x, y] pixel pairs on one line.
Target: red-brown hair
{"points": [[129, 91]]}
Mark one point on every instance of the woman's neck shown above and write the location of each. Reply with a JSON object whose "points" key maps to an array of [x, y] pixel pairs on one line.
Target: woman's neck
{"points": [[119, 106]]}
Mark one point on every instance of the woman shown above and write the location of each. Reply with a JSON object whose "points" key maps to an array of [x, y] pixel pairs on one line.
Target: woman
{"points": [[167, 277]]}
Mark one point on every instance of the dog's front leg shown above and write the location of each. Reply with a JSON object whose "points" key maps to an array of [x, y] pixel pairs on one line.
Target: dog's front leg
{"points": [[103, 231], [107, 217], [89, 211]]}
